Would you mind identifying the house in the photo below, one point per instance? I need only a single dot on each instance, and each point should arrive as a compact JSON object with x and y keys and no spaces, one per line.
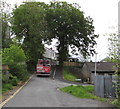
{"x":49,"y":53}
{"x":102,"y":68}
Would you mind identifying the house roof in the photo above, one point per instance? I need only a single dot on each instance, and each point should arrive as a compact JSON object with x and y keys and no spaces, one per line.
{"x":101,"y":66}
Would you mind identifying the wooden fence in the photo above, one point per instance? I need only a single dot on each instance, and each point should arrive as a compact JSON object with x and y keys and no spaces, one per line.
{"x":4,"y":67}
{"x":71,"y":64}
{"x":104,"y":86}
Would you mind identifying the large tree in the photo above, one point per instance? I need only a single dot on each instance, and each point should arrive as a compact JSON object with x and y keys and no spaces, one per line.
{"x":71,"y":28}
{"x":35,"y":22}
{"x":29,"y":27}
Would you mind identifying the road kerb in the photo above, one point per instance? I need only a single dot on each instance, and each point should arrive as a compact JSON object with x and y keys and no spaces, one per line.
{"x":3,"y":103}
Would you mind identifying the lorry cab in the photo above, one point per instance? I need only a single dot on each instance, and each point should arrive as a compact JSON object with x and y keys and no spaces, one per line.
{"x":43,"y":67}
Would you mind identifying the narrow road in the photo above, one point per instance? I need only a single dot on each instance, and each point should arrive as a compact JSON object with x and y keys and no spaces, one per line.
{"x":43,"y":92}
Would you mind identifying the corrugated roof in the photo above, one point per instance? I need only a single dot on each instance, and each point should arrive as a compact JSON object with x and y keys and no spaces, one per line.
{"x":101,"y":66}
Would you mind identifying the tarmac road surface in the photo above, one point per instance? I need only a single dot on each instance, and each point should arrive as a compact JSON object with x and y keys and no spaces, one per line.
{"x":43,"y":92}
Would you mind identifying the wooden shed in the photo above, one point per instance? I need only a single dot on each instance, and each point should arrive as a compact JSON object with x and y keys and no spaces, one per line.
{"x":102,"y":68}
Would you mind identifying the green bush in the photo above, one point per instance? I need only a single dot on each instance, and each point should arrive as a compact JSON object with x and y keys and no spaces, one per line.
{"x":15,"y":58}
{"x":116,"y":102}
{"x":14,"y":81}
{"x":4,"y":79}
{"x":13,"y":55}
{"x":8,"y":83}
{"x":6,"y":87}
{"x":11,"y":80}
{"x":20,"y":71}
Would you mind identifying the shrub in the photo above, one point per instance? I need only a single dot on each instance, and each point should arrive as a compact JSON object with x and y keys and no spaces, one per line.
{"x":15,"y":58}
{"x":20,"y":71}
{"x":14,"y":81}
{"x":13,"y":55}
{"x":116,"y":102}
{"x":5,"y":77}
{"x":6,"y":87}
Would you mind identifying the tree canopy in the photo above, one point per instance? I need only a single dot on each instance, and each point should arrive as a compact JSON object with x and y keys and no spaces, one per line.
{"x":34,"y":22}
{"x":29,"y":27}
{"x":71,"y":28}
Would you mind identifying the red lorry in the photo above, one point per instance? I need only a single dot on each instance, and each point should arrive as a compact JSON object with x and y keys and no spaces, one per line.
{"x":43,"y":67}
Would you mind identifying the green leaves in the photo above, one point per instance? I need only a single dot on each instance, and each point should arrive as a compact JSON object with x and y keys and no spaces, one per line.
{"x":71,"y":28}
{"x":15,"y":58}
{"x":29,"y":25}
{"x":114,"y":56}
{"x":13,"y":55}
{"x":34,"y":22}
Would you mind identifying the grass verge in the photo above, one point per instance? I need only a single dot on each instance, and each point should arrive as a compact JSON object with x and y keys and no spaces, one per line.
{"x":82,"y":92}
{"x":68,"y":76}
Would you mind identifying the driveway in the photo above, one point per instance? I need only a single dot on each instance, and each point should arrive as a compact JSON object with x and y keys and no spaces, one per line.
{"x":43,"y":92}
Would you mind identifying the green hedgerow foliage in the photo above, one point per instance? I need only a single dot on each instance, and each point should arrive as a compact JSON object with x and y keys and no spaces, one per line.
{"x":13,"y":55}
{"x":13,"y":80}
{"x":114,"y":56}
{"x":15,"y":58}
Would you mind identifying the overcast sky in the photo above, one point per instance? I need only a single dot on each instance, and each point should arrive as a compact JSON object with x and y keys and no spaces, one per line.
{"x":104,"y":14}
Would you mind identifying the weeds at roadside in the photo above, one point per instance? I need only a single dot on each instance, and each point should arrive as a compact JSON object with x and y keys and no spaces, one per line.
{"x":68,"y":76}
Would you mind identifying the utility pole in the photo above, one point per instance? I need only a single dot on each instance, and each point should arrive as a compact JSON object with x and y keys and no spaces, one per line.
{"x":119,"y":29}
{"x":95,"y":63}
{"x":118,"y":85}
